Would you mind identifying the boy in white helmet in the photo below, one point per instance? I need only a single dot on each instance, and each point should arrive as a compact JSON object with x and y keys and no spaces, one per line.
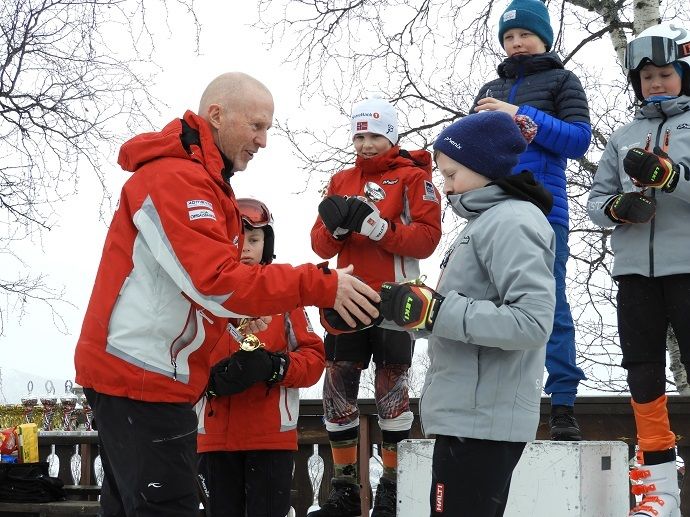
{"x":384,"y":241}
{"x":642,"y":190}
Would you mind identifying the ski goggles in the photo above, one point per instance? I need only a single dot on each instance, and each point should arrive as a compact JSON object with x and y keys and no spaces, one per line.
{"x":657,"y":50}
{"x":254,"y":212}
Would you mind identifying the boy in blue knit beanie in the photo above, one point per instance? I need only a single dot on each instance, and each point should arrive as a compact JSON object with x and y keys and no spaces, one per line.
{"x":532,"y":81}
{"x":488,"y":320}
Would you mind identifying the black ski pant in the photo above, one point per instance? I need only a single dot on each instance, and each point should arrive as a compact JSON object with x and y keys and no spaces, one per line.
{"x":646,"y":307}
{"x":471,"y":478}
{"x":148,"y":452}
{"x":247,"y":483}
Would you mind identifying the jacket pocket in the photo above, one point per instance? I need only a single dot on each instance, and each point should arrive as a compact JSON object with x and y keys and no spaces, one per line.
{"x":289,"y":408}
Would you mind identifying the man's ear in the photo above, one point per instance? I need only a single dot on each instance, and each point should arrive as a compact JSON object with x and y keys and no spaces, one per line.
{"x":214,"y":114}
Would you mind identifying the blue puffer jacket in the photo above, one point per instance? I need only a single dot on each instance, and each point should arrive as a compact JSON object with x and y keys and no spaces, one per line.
{"x":554,"y":98}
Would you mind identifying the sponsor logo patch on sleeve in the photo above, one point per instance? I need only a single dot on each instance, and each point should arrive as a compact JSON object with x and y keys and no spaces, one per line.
{"x":199,"y":203}
{"x":429,"y":192}
{"x":200,"y":209}
{"x":201,"y":214}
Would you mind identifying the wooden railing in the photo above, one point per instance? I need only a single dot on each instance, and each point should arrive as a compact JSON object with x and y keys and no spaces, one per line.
{"x":601,"y":418}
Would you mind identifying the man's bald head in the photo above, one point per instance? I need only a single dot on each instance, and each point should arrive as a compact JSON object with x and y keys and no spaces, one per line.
{"x":239,"y":111}
{"x":229,"y":90}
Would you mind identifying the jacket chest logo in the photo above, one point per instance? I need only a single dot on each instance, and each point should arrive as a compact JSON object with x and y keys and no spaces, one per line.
{"x":429,"y":192}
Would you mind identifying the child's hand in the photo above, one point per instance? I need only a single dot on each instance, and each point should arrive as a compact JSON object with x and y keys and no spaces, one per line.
{"x":255,"y":325}
{"x":631,"y":207}
{"x":365,"y":219}
{"x":411,"y":306}
{"x":491,"y":104}
{"x":651,"y":170}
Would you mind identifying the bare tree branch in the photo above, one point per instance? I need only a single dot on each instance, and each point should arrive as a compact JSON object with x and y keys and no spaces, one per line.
{"x":74,"y":77}
{"x":429,"y":57}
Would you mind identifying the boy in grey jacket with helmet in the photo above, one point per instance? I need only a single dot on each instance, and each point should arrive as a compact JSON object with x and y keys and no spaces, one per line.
{"x":642,"y":190}
{"x":489,"y":318}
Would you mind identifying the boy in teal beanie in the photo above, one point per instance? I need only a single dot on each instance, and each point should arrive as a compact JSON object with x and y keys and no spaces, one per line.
{"x":527,"y":14}
{"x":532,"y":81}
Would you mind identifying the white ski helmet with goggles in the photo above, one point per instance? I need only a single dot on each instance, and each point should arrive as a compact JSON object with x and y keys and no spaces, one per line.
{"x":256,"y":215}
{"x":660,"y":45}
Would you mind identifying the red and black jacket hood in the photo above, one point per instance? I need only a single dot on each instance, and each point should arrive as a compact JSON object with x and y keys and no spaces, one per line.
{"x":187,"y":138}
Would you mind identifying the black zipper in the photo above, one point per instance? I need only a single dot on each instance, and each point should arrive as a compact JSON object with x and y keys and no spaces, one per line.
{"x":653,"y":221}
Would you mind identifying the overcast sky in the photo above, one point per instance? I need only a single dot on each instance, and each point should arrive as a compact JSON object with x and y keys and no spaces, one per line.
{"x":70,"y":253}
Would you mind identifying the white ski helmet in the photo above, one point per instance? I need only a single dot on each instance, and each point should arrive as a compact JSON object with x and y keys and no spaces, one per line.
{"x":255,"y":214}
{"x":660,"y":45}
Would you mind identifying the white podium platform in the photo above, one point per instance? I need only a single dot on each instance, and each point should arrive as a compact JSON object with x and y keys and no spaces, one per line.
{"x":564,"y":479}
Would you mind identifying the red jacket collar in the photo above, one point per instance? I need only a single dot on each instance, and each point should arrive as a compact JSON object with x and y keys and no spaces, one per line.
{"x":392,"y":159}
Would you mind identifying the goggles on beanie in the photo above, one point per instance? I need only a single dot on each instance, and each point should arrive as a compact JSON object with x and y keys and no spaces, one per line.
{"x":254,"y":213}
{"x":658,"y":50}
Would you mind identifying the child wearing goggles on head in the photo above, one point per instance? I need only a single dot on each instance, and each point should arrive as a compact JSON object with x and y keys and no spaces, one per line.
{"x":247,"y":423}
{"x":642,"y":190}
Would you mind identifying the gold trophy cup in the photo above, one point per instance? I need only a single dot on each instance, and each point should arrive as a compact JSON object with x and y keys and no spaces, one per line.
{"x":249,"y":342}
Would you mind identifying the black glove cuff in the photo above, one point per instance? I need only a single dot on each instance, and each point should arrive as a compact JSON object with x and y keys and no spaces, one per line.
{"x":281,"y":362}
{"x":607,"y":210}
{"x":435,"y":307}
{"x":674,"y":180}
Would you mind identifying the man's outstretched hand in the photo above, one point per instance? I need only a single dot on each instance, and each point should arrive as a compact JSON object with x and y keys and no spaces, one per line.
{"x":354,"y":300}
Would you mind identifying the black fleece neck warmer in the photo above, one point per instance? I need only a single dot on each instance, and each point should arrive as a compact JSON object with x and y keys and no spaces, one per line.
{"x":524,"y":186}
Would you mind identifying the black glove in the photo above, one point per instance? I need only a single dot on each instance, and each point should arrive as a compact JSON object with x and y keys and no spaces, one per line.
{"x":243,"y":369}
{"x":333,"y":211}
{"x":651,"y":170}
{"x":412,"y":306}
{"x":631,"y":207}
{"x":364,"y":218}
{"x":335,"y":324}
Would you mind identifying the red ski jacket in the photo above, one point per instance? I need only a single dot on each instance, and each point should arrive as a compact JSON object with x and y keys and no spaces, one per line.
{"x":260,"y":418}
{"x":170,"y":274}
{"x":411,"y":206}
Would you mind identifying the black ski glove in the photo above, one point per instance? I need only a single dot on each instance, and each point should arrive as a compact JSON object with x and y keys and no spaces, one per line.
{"x":333,"y":211}
{"x":412,"y":306}
{"x":335,"y":324}
{"x":364,"y":218}
{"x":655,"y":169}
{"x":243,"y":369}
{"x":631,"y":207}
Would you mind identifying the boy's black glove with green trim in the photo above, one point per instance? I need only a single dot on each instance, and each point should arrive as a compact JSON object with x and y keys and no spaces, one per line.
{"x":654,"y":170}
{"x":411,"y":306}
{"x":631,"y":207}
